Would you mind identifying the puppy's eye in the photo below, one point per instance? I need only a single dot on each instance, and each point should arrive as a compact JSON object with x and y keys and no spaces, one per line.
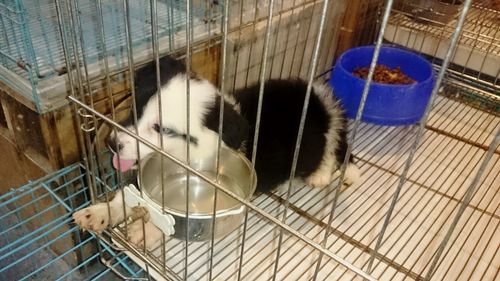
{"x":156,"y":127}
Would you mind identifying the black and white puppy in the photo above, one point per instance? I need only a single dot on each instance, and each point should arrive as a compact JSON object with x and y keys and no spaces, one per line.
{"x":322,"y":150}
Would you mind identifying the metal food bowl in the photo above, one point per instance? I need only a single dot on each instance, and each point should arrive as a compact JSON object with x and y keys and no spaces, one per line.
{"x":235,"y":174}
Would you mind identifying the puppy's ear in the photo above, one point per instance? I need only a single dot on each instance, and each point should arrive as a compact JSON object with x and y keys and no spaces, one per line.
{"x":145,"y":77}
{"x":146,"y":85}
{"x":235,"y":130}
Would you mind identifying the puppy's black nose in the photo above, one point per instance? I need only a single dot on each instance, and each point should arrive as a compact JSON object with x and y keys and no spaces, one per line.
{"x":113,"y":145}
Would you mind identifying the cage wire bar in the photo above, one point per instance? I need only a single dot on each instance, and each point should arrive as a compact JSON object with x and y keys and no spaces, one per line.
{"x":262,"y":74}
{"x":357,"y":121}
{"x":188,"y":128}
{"x":465,"y":201}
{"x":222,"y":75}
{"x":493,"y":145}
{"x":420,"y":129}
{"x":416,"y":137}
{"x":487,"y":158}
{"x":480,"y":18}
{"x":312,"y":72}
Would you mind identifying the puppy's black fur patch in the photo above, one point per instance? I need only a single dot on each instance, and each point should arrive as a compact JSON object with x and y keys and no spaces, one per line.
{"x":282,"y":105}
{"x":235,"y":128}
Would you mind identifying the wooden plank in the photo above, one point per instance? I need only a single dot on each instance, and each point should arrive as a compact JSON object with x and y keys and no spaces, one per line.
{"x":7,"y":130}
{"x":348,"y":28}
{"x":359,"y":24}
{"x":51,"y":139}
{"x":206,"y":63}
{"x":20,"y":98}
{"x":67,"y":130}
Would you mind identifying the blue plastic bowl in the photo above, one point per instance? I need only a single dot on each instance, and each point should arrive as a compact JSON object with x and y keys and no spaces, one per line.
{"x":386,"y":104}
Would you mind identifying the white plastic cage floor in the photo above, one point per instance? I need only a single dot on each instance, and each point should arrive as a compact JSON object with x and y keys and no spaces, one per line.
{"x":447,"y":159}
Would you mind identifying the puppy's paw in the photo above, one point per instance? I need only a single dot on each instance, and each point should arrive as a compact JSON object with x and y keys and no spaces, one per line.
{"x":352,"y":175}
{"x":136,"y":234}
{"x":95,"y":217}
{"x":139,"y":212}
{"x":319,"y":179}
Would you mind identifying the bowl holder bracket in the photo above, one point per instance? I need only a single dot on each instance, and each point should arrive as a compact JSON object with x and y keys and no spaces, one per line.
{"x":165,"y":222}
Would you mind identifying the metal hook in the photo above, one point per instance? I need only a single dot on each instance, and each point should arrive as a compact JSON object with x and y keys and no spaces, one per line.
{"x":88,"y":125}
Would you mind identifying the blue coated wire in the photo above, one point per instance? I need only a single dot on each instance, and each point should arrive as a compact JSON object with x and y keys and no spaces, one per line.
{"x":88,"y":240}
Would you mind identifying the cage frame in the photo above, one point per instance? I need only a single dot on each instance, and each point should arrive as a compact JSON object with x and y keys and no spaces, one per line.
{"x":92,"y":115}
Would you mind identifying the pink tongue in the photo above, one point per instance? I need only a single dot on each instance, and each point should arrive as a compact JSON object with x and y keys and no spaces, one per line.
{"x":125,"y":164}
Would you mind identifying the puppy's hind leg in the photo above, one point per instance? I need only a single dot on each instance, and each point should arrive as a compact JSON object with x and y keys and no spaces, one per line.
{"x":323,"y":175}
{"x":352,"y":174}
{"x":98,"y":217}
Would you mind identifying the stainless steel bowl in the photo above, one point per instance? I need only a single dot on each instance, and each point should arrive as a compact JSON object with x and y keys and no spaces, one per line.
{"x":235,"y":173}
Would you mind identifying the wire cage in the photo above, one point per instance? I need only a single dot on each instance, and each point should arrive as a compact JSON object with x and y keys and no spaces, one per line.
{"x":39,"y":241}
{"x":31,"y":51}
{"x":476,"y":58}
{"x":427,"y":205}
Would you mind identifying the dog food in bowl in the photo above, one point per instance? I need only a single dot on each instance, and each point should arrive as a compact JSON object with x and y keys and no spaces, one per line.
{"x":384,"y":75}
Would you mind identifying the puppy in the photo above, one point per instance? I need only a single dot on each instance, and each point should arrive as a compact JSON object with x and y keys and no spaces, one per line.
{"x":321,"y":153}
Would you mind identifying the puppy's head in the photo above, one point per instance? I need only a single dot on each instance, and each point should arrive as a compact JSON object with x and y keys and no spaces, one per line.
{"x":171,"y":134}
{"x":126,"y":149}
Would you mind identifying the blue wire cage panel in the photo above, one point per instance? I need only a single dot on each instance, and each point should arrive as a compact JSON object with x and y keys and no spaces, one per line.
{"x":32,"y":59}
{"x":39,"y":241}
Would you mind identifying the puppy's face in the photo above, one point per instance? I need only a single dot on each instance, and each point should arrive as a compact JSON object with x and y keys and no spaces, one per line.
{"x":170,"y":135}
{"x":127,"y":149}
